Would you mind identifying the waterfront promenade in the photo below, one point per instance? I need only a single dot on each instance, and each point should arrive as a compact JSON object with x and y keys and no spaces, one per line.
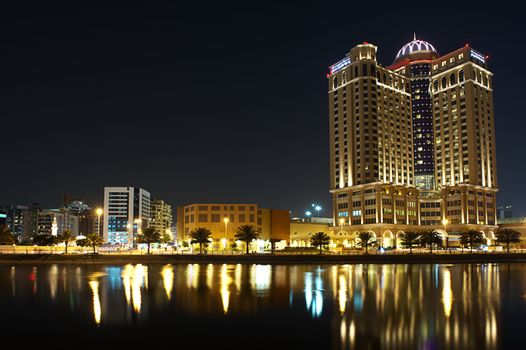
{"x":280,"y":258}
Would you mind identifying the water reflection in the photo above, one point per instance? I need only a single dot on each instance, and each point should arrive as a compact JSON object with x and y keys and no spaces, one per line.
{"x":367,"y":306}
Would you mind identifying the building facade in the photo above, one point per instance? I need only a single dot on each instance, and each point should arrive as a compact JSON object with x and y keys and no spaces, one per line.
{"x":55,"y":221}
{"x":224,"y":219}
{"x":412,"y":145}
{"x":161,"y":216}
{"x":126,"y":214}
{"x":13,"y":216}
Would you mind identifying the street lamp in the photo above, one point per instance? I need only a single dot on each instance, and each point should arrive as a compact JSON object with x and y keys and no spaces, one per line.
{"x":342,"y":221}
{"x":225,"y":220}
{"x":99,"y":212}
{"x":316,"y":207}
{"x":308,"y":214}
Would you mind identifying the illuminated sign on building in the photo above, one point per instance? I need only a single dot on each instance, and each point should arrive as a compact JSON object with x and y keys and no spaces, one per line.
{"x":478,"y":56}
{"x":340,"y":65}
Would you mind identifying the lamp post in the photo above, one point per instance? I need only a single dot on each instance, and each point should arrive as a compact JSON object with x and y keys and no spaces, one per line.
{"x":225,"y":220}
{"x":342,"y":221}
{"x":308,"y":214}
{"x":99,"y":213}
{"x":317,"y":207}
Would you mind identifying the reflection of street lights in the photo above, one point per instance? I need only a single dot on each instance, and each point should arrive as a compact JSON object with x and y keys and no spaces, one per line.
{"x":98,"y":211}
{"x":225,"y":220}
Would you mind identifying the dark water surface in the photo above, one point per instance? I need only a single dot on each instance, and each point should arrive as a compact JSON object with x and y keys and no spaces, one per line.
{"x":471,"y":306}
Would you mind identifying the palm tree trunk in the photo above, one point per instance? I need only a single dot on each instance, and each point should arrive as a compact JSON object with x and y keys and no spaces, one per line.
{"x":508,"y":244}
{"x":148,"y":249}
{"x":200,"y":248}
{"x":411,"y":248}
{"x":66,"y":244}
{"x":94,"y":251}
{"x":247,"y":246}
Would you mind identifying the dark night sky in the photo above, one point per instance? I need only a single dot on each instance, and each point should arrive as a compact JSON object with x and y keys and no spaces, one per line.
{"x":214,"y":103}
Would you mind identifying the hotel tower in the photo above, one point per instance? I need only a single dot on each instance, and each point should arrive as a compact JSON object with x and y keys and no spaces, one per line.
{"x":412,"y":145}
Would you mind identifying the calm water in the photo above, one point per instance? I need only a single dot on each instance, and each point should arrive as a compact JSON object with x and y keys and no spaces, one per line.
{"x":479,"y":306}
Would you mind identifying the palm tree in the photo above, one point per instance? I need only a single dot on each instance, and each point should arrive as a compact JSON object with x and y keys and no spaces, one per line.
{"x":366,"y":239}
{"x":200,"y":235}
{"x":65,"y":237}
{"x":472,"y":238}
{"x":430,"y":237}
{"x":149,"y":235}
{"x":166,"y":238}
{"x":320,"y":239}
{"x":508,"y":236}
{"x":246,"y":233}
{"x":409,"y":238}
{"x":6,"y":237}
{"x":273,"y":242}
{"x":94,"y":240}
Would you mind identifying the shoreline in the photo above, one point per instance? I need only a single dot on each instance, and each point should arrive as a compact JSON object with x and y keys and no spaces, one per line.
{"x":262,"y":259}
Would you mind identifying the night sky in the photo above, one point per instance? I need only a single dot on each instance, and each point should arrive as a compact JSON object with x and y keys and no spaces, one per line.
{"x":214,"y":103}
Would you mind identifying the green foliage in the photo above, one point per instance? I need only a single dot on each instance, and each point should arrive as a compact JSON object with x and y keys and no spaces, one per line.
{"x":6,"y":237}
{"x":409,"y":239}
{"x":246,"y":233}
{"x":149,"y":235}
{"x":43,"y":240}
{"x":166,"y":238}
{"x":507,"y":236}
{"x":367,"y":239}
{"x":93,"y":240}
{"x":65,"y":237}
{"x":320,"y":240}
{"x":430,"y":238}
{"x":472,"y":238}
{"x":200,"y":235}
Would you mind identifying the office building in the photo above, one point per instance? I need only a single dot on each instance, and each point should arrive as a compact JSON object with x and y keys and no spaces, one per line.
{"x":161,"y":216}
{"x":126,"y":214}
{"x":412,"y":145}
{"x":224,"y":219}
{"x":55,"y":221}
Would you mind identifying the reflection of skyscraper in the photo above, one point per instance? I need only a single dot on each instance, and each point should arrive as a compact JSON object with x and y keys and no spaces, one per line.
{"x":412,"y":143}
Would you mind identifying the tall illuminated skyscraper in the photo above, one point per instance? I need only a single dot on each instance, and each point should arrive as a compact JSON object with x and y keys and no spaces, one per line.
{"x":412,"y":144}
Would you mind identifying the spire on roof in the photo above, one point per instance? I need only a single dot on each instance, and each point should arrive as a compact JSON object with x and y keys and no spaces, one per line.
{"x":414,"y":36}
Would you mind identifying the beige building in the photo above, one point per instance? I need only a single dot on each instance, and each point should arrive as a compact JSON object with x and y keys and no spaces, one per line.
{"x":161,"y":216}
{"x":224,"y":219}
{"x":412,"y":144}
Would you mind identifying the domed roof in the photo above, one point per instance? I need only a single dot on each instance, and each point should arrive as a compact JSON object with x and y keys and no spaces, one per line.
{"x":416,"y":46}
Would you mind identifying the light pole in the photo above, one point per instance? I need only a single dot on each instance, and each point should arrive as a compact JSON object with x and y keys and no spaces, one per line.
{"x":99,"y":213}
{"x":342,"y":221}
{"x":316,"y":207}
{"x":225,"y":220}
